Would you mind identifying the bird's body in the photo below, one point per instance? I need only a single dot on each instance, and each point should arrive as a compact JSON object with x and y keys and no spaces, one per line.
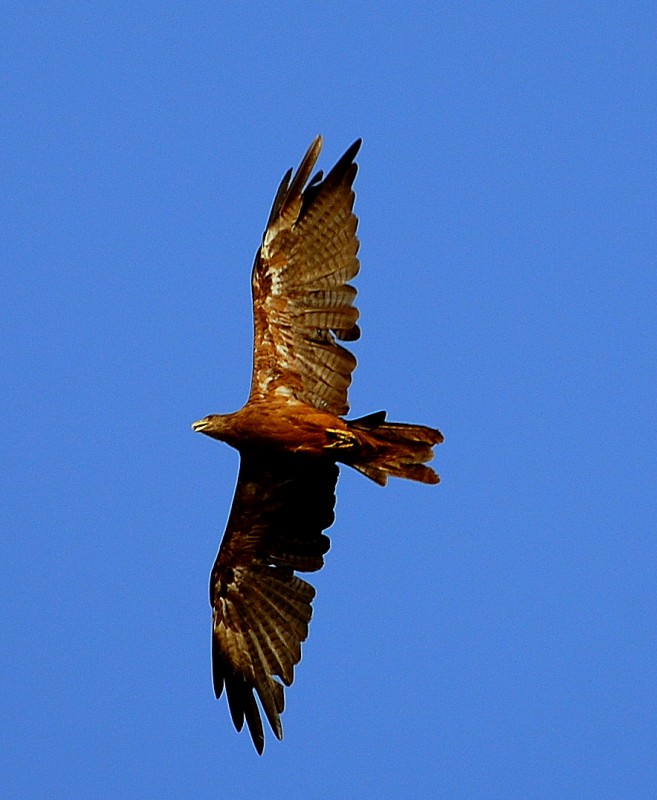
{"x":291,"y":434}
{"x":280,"y":424}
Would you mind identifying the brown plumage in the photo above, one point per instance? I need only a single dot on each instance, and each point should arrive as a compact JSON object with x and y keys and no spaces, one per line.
{"x":290,"y":436}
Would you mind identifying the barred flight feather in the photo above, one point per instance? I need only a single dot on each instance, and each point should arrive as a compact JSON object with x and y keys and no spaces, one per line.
{"x":307,"y":256}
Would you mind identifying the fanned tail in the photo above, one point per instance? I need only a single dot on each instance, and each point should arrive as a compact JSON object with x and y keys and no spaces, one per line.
{"x":394,"y":448}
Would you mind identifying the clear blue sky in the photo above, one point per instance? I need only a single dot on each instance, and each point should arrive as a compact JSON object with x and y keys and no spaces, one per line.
{"x":492,"y":637}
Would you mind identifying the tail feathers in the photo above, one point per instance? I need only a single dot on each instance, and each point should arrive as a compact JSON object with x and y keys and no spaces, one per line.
{"x":382,"y":470}
{"x":395,"y":448}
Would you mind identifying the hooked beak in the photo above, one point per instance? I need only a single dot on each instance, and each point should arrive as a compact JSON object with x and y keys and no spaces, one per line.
{"x":200,"y":425}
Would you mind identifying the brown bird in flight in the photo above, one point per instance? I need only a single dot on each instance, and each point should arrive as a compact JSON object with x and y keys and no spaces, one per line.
{"x":290,"y":434}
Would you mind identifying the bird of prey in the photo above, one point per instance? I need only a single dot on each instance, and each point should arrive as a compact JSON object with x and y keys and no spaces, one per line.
{"x":291,"y":434}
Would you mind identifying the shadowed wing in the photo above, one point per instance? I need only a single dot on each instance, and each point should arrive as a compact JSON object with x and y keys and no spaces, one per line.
{"x":302,"y":302}
{"x":261,"y":610}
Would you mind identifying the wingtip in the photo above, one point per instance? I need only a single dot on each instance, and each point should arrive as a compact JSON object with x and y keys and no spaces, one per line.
{"x":301,"y":176}
{"x":312,"y":154}
{"x":352,"y":151}
{"x":345,"y":165}
{"x":318,"y":143}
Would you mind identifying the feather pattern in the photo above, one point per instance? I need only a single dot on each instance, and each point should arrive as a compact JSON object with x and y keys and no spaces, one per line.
{"x":302,"y":302}
{"x":261,"y":609}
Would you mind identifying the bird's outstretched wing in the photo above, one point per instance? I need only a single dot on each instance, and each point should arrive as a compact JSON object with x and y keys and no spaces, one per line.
{"x":302,"y":302}
{"x":261,"y":609}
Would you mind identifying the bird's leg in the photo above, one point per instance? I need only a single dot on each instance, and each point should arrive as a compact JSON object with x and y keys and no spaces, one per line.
{"x":340,"y":439}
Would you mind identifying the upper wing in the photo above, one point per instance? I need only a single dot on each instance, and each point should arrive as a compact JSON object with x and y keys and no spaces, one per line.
{"x":301,"y":299}
{"x":261,"y":609}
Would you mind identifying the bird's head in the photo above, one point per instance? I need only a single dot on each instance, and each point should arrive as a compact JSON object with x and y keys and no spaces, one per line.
{"x":213,"y":425}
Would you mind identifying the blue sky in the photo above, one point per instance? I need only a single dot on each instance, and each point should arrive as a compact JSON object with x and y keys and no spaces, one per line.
{"x":492,"y":637}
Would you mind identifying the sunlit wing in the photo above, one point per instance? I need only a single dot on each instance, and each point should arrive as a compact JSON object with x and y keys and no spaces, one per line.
{"x":302,"y":302}
{"x":261,"y":609}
